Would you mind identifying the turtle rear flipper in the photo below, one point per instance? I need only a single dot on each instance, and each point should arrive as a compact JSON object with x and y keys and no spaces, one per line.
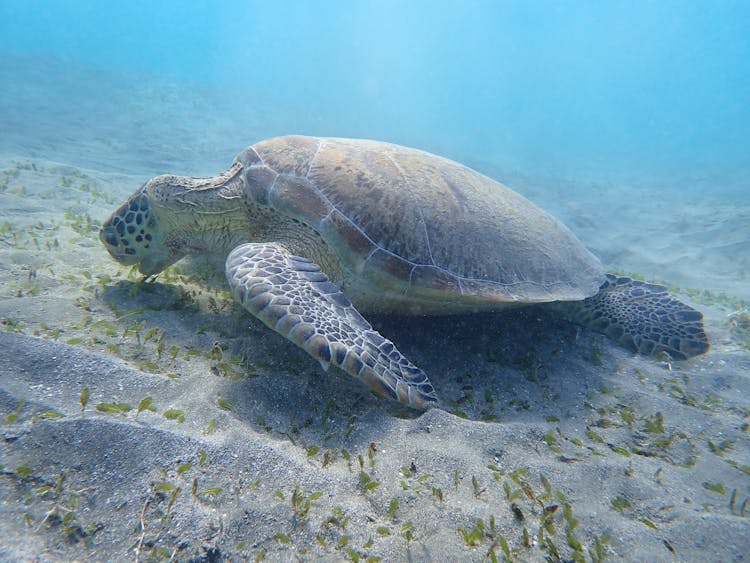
{"x":643,"y":317}
{"x":291,"y":295}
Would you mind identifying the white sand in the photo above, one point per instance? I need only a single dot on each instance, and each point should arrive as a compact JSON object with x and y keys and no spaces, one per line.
{"x":540,"y":397}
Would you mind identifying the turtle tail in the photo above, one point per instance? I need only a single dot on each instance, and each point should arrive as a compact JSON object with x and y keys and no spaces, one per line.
{"x":643,"y":317}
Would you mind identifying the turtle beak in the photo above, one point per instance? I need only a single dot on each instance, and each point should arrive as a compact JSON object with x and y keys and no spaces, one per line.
{"x":112,"y":241}
{"x":155,"y":263}
{"x":108,"y":236}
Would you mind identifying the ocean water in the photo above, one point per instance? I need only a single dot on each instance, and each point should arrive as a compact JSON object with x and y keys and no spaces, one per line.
{"x":627,"y":120}
{"x":603,"y":90}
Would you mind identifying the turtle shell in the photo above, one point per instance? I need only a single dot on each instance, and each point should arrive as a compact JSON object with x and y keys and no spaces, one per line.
{"x":426,"y":222}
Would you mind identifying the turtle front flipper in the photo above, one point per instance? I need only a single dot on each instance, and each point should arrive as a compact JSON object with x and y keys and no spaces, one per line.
{"x":643,"y":317}
{"x":291,"y":295}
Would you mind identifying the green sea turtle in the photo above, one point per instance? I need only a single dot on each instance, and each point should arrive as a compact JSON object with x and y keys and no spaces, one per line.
{"x":315,"y":230}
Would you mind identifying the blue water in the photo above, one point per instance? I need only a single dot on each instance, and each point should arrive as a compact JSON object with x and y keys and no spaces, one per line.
{"x":629,"y":120}
{"x":576,"y":89}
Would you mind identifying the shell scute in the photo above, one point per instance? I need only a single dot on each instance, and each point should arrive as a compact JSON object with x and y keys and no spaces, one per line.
{"x":289,"y":155}
{"x":298,"y":198}
{"x":338,"y":227}
{"x":387,"y":263}
{"x":433,"y":278}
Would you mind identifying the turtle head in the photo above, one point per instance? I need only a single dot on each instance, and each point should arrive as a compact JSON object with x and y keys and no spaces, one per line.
{"x":133,"y":234}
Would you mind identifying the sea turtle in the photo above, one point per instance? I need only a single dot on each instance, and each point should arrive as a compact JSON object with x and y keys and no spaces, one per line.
{"x":315,"y":230}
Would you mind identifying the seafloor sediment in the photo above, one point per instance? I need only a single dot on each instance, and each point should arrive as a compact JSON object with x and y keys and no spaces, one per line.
{"x":159,"y":420}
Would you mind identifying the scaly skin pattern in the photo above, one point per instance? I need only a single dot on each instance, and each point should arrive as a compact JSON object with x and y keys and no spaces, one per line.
{"x":644,"y":318}
{"x":293,"y":297}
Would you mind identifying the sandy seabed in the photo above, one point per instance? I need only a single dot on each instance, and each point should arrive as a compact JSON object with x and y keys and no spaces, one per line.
{"x":160,"y":421}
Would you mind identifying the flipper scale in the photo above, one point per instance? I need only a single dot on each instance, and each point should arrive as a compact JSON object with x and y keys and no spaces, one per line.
{"x":296,"y":299}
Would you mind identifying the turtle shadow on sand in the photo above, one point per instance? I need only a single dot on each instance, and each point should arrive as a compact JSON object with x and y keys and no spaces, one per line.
{"x":487,"y":366}
{"x":483,"y":362}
